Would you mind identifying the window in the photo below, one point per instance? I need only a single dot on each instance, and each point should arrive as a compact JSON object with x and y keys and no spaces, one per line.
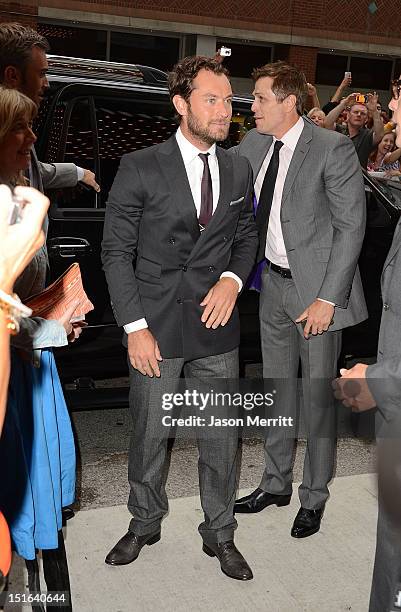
{"x":330,"y":69}
{"x":370,"y":73}
{"x":156,"y":51}
{"x":244,"y":58}
{"x":75,"y":42}
{"x":125,"y":125}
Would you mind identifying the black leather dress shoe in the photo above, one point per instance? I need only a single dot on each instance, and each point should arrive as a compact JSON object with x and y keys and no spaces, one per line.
{"x":232,"y":563}
{"x":128,"y":548}
{"x":307,"y":522}
{"x":258,"y":500}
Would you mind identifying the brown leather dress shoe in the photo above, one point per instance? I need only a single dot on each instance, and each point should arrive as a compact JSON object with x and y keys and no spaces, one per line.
{"x":232,"y":563}
{"x":258,"y":500}
{"x":128,"y":548}
{"x":307,"y":522}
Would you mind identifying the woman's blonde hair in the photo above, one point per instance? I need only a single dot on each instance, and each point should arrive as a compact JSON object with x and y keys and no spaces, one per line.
{"x":14,"y":106}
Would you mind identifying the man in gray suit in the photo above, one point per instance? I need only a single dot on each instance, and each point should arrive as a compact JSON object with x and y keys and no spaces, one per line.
{"x":179,"y":242}
{"x":23,"y":66}
{"x":311,"y":221}
{"x":380,"y":385}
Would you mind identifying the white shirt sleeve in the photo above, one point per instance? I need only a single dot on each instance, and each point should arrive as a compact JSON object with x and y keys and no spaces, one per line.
{"x":327,"y":301}
{"x":135,"y":326}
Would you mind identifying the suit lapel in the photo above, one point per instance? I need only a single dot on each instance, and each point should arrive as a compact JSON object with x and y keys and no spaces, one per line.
{"x":301,"y":151}
{"x":173,"y":168}
{"x":226,"y":184}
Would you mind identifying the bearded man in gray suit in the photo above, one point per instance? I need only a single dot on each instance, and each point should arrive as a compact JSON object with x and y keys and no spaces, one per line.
{"x":311,"y":222}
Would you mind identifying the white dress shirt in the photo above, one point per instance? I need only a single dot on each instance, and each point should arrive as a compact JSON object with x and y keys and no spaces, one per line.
{"x":194,"y":167}
{"x":275,"y":248}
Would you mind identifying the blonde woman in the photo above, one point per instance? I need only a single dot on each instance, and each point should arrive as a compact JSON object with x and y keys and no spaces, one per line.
{"x":37,"y":452}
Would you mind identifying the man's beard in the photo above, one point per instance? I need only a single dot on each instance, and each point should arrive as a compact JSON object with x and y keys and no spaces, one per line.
{"x":204,"y":133}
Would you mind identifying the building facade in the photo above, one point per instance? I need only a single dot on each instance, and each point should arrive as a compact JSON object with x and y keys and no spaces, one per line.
{"x":323,"y":37}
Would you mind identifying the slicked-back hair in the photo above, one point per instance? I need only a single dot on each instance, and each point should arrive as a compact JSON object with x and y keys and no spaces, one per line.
{"x":180,"y":79}
{"x":16,"y":44}
{"x":287,"y":80}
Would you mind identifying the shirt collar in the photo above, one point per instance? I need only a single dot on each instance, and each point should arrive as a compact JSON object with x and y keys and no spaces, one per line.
{"x":188,"y":151}
{"x":290,"y":138}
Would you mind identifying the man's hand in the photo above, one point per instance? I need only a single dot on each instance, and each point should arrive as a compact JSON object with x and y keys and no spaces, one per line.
{"x":89,"y":179}
{"x":352,"y":388}
{"x":311,"y":90}
{"x":346,"y":82}
{"x":318,"y":318}
{"x":371,"y":104}
{"x":350,"y":100}
{"x":144,"y":352}
{"x":220,"y":302}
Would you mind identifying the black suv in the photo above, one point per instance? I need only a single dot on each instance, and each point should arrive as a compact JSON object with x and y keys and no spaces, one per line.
{"x":94,"y":113}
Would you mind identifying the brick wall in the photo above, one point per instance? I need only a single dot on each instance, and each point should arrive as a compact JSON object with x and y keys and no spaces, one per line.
{"x":333,"y":19}
{"x":305,"y":59}
{"x":24,"y":12}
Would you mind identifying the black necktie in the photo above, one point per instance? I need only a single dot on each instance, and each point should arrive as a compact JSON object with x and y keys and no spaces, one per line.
{"x":206,"y":209}
{"x":266,"y":198}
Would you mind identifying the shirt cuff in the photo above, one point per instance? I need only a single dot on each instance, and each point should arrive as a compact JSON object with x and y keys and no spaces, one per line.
{"x":135,"y":326}
{"x":235,"y":277}
{"x":327,"y":301}
{"x":80,"y":173}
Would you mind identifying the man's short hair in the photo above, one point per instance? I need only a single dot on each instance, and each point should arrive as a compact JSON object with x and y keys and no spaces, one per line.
{"x":16,"y":44}
{"x":287,"y":80}
{"x":181,"y":78}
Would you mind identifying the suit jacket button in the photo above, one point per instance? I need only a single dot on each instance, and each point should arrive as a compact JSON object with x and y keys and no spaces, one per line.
{"x":172,"y":240}
{"x":184,"y":268}
{"x":225,"y":238}
{"x":211,"y":268}
{"x":179,"y":301}
{"x":386,"y":306}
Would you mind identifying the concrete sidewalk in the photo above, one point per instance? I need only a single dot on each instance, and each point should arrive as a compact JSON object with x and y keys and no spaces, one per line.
{"x":328,"y":572}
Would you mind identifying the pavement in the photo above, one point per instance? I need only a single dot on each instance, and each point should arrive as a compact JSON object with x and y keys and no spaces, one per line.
{"x":327,"y":572}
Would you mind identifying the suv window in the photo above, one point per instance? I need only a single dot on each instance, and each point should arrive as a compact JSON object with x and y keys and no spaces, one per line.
{"x":126,"y":125}
{"x":95,"y":129}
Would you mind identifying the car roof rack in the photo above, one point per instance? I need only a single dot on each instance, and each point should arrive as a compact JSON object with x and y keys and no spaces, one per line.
{"x":111,"y":71}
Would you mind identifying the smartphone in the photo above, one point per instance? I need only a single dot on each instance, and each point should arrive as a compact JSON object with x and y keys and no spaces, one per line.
{"x":225,"y":52}
{"x":362,"y":99}
{"x":347,"y":75}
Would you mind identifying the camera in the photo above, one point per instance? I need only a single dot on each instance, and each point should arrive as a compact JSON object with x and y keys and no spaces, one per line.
{"x":362,"y":99}
{"x":225,"y":51}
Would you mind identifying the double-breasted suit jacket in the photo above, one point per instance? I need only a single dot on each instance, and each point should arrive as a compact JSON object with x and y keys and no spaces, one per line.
{"x":158,"y":264}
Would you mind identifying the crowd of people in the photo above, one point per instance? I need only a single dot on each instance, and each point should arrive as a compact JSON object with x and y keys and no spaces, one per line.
{"x":289,"y":198}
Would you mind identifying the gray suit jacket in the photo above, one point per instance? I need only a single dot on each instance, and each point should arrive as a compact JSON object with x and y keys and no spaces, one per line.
{"x":52,"y":176}
{"x":323,"y":214}
{"x":384,"y":377}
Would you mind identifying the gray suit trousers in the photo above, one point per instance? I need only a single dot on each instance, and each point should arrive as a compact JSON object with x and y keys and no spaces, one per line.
{"x":218,"y":453}
{"x":283,"y":345}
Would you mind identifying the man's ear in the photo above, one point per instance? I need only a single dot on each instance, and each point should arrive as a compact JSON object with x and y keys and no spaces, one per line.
{"x":12,"y":77}
{"x":290,"y":103}
{"x":180,"y":105}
